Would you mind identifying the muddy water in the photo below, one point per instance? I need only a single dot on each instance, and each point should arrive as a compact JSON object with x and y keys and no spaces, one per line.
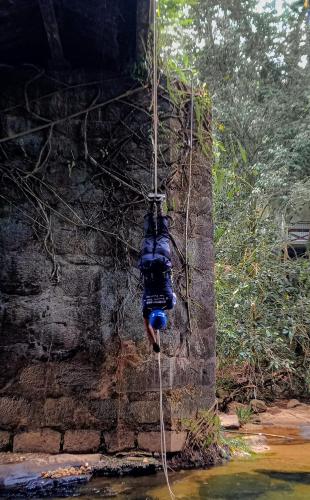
{"x":280,"y":474}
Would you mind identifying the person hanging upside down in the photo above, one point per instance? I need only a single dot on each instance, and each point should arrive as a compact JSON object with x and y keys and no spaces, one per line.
{"x":155,"y":266}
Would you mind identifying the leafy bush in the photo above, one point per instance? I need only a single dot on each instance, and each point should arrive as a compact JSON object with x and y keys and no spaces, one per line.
{"x":257,"y":69}
{"x":244,"y":414}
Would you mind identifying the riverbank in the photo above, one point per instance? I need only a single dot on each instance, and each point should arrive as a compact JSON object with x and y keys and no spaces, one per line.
{"x":291,"y":415}
{"x":33,"y":475}
{"x":43,"y":475}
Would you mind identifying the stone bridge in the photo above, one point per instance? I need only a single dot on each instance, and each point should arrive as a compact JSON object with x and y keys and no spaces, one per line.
{"x":76,"y":371}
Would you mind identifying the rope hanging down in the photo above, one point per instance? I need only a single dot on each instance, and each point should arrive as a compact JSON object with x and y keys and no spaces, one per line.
{"x":155,"y":96}
{"x":162,"y":425}
{"x":155,"y":184}
{"x":155,"y":148}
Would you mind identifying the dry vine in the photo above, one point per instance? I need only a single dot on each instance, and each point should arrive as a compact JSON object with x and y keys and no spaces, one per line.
{"x":43,"y":201}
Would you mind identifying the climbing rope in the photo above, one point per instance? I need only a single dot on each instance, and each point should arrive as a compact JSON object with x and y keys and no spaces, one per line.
{"x":155,"y":96}
{"x":188,"y":199}
{"x":162,"y":424}
{"x":155,"y":183}
{"x":155,"y":149}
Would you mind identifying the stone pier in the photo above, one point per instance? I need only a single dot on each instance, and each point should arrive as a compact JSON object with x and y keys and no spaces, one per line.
{"x":76,"y":371}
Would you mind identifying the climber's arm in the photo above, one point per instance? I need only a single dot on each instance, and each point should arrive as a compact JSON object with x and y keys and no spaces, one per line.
{"x":149,"y":330}
{"x":150,"y":333}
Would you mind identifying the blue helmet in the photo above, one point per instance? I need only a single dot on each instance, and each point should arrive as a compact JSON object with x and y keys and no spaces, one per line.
{"x":158,"y":319}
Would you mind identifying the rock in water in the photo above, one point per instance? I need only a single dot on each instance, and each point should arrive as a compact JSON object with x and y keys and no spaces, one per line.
{"x":258,"y":406}
{"x":292,"y":403}
{"x":229,"y":421}
{"x":62,"y":487}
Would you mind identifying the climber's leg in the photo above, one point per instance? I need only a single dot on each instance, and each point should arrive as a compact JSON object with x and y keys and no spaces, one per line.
{"x":163,"y":238}
{"x":163,"y":226}
{"x":149,"y":230}
{"x":149,"y":222}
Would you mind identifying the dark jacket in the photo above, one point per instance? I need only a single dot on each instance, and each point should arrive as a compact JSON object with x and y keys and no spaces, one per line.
{"x":155,"y":266}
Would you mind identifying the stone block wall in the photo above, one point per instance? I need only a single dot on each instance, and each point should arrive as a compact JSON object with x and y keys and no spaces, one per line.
{"x":76,"y":371}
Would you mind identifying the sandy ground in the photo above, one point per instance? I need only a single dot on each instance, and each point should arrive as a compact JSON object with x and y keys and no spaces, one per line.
{"x":293,"y":422}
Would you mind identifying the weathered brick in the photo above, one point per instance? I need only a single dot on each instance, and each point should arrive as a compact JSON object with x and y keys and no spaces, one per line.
{"x":118,"y":441}
{"x":44,"y":441}
{"x":91,"y":381}
{"x":145,"y":412}
{"x":4,"y":440}
{"x":65,"y":413}
{"x":105,"y":411}
{"x":14,"y":412}
{"x":150,"y":441}
{"x":82,"y":441}
{"x":185,"y":401}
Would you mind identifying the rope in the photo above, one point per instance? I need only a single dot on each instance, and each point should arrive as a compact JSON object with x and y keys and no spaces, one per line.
{"x":155,"y":178}
{"x":162,"y":425}
{"x":155,"y":96}
{"x":187,"y":266}
{"x":155,"y":147}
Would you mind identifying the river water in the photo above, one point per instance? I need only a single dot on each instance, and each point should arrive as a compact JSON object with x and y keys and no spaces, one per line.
{"x":280,"y":474}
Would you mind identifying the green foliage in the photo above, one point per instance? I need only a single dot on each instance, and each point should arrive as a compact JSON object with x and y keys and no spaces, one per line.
{"x":244,"y":414}
{"x":204,"y":430}
{"x":256,"y":66}
{"x":263,"y":300}
{"x":236,"y":445}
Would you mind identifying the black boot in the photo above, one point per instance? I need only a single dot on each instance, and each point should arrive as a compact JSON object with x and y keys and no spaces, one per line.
{"x":156,"y":347}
